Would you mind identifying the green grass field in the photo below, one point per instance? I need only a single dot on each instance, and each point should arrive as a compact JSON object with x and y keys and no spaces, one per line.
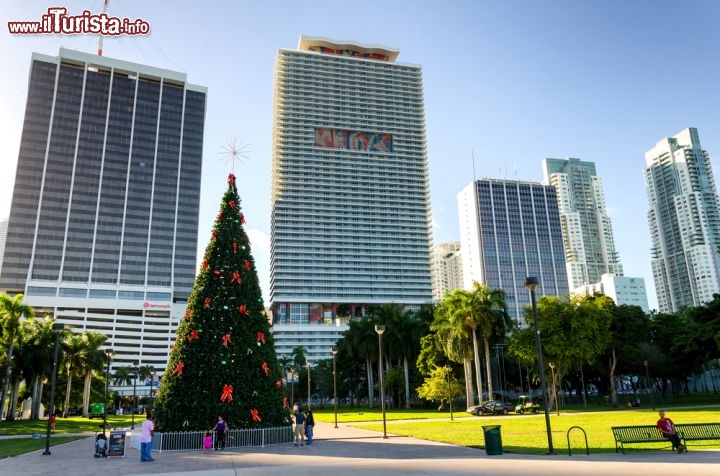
{"x":66,"y":425}
{"x":24,"y":429}
{"x":18,"y":446}
{"x":520,"y":433}
{"x":527,"y":433}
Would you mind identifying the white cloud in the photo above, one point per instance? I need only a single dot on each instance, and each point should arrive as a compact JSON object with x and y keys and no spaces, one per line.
{"x":259,"y":242}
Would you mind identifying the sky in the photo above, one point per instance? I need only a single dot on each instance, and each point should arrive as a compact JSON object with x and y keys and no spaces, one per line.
{"x":507,"y":82}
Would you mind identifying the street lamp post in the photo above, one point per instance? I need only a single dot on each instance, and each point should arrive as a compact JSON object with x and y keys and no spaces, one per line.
{"x":531,"y":283}
{"x":334,"y":354}
{"x":307,"y":362}
{"x":380,"y":329}
{"x":135,"y":370}
{"x":649,"y":384}
{"x":108,"y":354}
{"x":58,"y":328}
{"x":448,"y":370}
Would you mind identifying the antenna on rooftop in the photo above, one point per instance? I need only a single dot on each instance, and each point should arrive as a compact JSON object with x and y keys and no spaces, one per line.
{"x":472,"y":152}
{"x":234,"y":152}
{"x":100,"y":41}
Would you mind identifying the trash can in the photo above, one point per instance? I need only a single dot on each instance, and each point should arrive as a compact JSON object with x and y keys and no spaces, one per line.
{"x":493,"y":440}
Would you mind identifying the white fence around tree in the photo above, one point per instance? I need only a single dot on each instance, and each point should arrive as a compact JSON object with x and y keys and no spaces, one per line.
{"x":193,"y":440}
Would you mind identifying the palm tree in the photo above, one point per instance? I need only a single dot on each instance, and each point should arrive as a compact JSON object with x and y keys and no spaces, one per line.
{"x":402,"y":338}
{"x":124,"y":375}
{"x":461,"y":308}
{"x":93,"y":359}
{"x":32,"y":351}
{"x":73,"y":346}
{"x":362,"y":342}
{"x":299,"y":356}
{"x":490,"y":317}
{"x":11,"y":311}
{"x":36,"y":343}
{"x":145,"y":372}
{"x":454,"y":340}
{"x":22,"y":361}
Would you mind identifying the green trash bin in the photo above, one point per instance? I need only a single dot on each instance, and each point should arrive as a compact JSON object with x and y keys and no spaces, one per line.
{"x":493,"y":440}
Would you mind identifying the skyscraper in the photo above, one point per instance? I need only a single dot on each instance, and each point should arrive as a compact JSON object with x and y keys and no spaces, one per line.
{"x":684,"y":221}
{"x":510,"y":230}
{"x":3,"y":235}
{"x":446,"y":267}
{"x":587,"y":230}
{"x":350,"y":193}
{"x":104,"y":216}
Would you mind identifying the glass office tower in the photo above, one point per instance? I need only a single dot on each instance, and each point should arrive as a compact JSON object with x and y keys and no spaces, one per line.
{"x":510,"y":230}
{"x":104,"y":217}
{"x":350,"y":190}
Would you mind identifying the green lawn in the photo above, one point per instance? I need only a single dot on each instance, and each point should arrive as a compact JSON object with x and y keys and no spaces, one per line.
{"x":527,"y":433}
{"x":18,"y":446}
{"x":66,"y":425}
{"x":520,"y":433}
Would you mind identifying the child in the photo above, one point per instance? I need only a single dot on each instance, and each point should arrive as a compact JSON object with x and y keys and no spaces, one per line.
{"x":207,"y":442}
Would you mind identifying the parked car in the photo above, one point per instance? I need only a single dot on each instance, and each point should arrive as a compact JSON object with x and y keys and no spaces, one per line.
{"x":494,"y":407}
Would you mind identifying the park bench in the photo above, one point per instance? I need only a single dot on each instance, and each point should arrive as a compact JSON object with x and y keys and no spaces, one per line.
{"x":650,"y":434}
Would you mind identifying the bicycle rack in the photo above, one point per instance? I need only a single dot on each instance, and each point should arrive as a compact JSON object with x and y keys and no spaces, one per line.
{"x":587,"y":449}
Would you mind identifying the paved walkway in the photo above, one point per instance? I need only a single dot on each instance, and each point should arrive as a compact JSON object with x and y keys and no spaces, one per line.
{"x":354,"y":452}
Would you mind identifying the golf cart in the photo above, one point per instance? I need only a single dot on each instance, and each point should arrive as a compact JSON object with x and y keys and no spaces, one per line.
{"x":526,"y":404}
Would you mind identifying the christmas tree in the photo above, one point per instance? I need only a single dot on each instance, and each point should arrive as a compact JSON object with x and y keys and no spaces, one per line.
{"x":223,"y":362}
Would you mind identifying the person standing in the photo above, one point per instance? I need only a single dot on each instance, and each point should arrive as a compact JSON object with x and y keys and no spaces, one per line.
{"x":221,"y":429}
{"x":207,"y":442}
{"x":309,"y":425}
{"x":147,"y":430}
{"x":299,"y":427}
{"x":667,"y":428}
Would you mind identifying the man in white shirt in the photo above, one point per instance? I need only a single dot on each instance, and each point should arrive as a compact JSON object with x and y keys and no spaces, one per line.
{"x":146,"y":433}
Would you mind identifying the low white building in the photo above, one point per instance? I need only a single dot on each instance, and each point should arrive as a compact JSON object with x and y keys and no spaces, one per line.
{"x":621,"y":289}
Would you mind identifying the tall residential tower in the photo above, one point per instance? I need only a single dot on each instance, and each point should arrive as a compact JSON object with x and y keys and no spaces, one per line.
{"x":510,"y":230}
{"x":350,"y":190}
{"x":446,"y":268}
{"x":587,"y":230}
{"x":684,"y":220}
{"x":104,"y":216}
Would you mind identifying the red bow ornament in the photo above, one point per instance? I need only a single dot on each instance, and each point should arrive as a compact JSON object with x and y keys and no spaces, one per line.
{"x":179,"y":368}
{"x":227,"y":393}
